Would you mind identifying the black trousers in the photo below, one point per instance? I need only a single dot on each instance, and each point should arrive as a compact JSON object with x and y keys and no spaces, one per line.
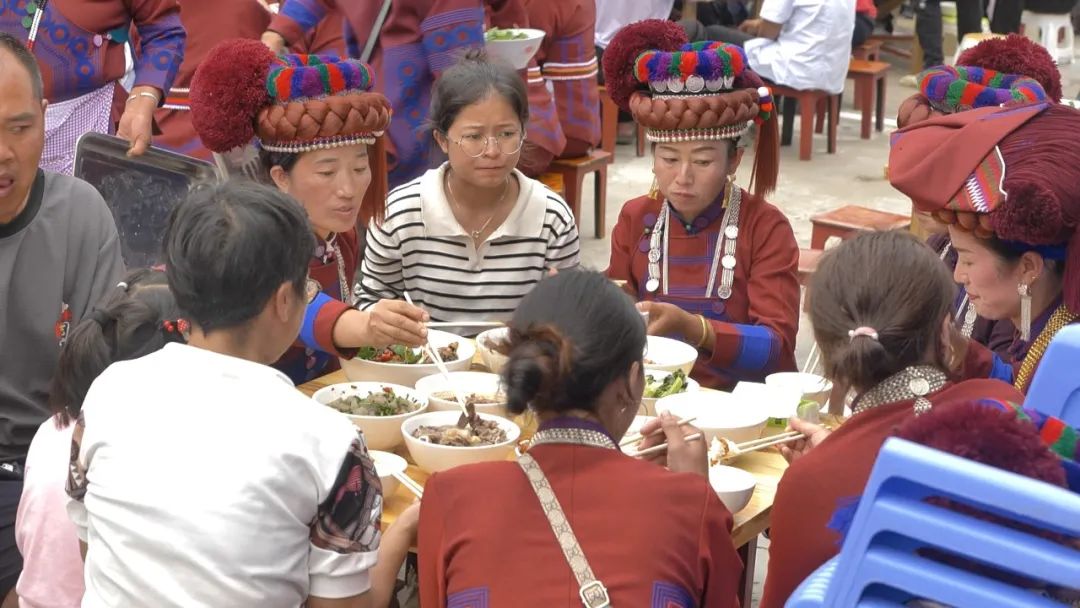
{"x":10,"y":558}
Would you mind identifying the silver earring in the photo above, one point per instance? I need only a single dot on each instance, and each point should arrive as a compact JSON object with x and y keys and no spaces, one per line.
{"x":1025,"y":311}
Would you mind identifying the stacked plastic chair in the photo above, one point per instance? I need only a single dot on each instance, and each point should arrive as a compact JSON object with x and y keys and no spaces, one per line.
{"x":1055,"y":390}
{"x":879,"y":565}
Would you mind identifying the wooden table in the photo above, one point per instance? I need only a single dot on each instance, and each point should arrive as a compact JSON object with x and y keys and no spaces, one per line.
{"x":766,"y":466}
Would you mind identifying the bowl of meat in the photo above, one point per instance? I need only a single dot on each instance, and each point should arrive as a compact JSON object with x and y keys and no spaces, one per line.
{"x":402,"y":365}
{"x":485,"y":343}
{"x":668,"y":355}
{"x":437,"y":441}
{"x":481,"y":390}
{"x":377,"y":408}
{"x":660,"y":384}
{"x":515,"y":46}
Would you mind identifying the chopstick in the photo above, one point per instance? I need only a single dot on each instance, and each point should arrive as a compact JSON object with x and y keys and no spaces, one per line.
{"x":636,"y":437}
{"x":412,"y":486}
{"x":764,"y":442}
{"x":656,"y":449}
{"x":445,"y":372}
{"x":437,"y":324}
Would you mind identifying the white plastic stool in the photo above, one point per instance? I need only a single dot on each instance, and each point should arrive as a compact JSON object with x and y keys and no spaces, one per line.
{"x":1045,"y":28}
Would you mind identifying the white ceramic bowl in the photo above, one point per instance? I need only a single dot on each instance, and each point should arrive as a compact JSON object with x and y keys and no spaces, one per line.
{"x":516,"y":52}
{"x":492,"y":360}
{"x":811,"y":387}
{"x":779,"y":400}
{"x":480,"y":383}
{"x":718,"y":414}
{"x":386,"y":464}
{"x":359,"y":370}
{"x":666,"y":354}
{"x":734,"y":486}
{"x":648,"y":404}
{"x":380,"y":432}
{"x":435,"y":458}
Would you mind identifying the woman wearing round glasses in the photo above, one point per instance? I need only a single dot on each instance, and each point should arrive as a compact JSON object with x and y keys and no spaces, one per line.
{"x":469,"y":239}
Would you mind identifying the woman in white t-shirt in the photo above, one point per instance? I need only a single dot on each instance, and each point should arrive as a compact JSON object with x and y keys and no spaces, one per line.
{"x":469,"y":239}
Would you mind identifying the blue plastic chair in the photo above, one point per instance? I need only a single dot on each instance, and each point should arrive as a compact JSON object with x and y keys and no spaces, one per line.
{"x":1055,"y":389}
{"x":878,"y":565}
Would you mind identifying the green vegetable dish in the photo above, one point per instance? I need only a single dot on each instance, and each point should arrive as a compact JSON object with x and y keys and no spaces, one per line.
{"x":501,"y":34}
{"x":672,"y":384}
{"x":399,"y":354}
{"x":375,"y":403}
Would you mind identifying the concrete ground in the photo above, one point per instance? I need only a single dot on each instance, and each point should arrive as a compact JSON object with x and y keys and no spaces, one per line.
{"x":854,"y":175}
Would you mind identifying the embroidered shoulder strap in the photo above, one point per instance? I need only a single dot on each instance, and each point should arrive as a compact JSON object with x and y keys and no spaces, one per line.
{"x":592,"y":592}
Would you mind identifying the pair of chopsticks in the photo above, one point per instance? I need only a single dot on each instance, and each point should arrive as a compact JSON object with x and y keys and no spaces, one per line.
{"x":636,"y":437}
{"x":489,"y":324}
{"x":445,"y":372}
{"x":736,"y":449}
{"x":412,"y":486}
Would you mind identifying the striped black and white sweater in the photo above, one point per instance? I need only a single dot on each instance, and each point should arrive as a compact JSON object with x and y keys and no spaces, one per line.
{"x":420,"y":247}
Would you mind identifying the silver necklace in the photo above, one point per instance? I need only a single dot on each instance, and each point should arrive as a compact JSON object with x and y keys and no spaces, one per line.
{"x":346,"y":296}
{"x":723,"y":253}
{"x":915,"y":382}
{"x":475,"y":234}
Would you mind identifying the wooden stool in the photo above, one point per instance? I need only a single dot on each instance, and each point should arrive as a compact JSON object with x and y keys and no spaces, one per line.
{"x":808,"y":102}
{"x":640,"y":135}
{"x":808,"y":262}
{"x":845,"y":221}
{"x":867,"y":51}
{"x":868,"y":75}
{"x":609,"y":121}
{"x":915,"y":54}
{"x":573,"y":172}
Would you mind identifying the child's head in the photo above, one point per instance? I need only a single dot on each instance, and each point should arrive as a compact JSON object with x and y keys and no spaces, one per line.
{"x":236,"y":256}
{"x":136,"y":318}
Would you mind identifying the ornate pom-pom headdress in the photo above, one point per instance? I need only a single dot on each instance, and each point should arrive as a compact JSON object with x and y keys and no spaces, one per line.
{"x":1012,"y":173}
{"x":681,"y":91}
{"x":999,"y":71}
{"x":291,"y":103}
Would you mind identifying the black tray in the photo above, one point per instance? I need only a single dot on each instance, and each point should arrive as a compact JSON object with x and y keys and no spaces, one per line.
{"x":140,"y":191}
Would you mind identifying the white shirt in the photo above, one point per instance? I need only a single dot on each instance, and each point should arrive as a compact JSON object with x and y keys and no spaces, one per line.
{"x":814,"y":45}
{"x":421,"y":248}
{"x":613,"y":15}
{"x":204,"y":475}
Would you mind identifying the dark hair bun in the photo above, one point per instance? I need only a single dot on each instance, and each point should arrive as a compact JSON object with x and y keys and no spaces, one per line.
{"x":539,"y":359}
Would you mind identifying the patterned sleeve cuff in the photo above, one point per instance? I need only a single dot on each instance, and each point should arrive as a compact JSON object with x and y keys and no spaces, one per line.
{"x":445,"y":34}
{"x":296,"y":19}
{"x":743,"y":348}
{"x":162,"y":43}
{"x":348,"y":521}
{"x":317,"y":330}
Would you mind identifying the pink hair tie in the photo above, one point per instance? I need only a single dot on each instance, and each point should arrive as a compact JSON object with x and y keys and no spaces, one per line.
{"x":868,"y":332}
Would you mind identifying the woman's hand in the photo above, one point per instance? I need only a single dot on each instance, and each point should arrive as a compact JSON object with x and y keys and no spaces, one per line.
{"x":814,"y":433}
{"x":670,"y":320}
{"x":136,"y":123}
{"x":274,"y":41}
{"x":396,"y":322}
{"x":681,"y":456}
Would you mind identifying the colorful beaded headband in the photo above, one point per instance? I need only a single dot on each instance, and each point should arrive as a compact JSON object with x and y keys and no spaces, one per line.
{"x":951,"y":89}
{"x":297,"y":78}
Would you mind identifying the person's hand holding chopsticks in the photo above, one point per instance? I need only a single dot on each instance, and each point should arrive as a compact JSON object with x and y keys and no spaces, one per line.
{"x":681,"y":456}
{"x":814,"y":433}
{"x":397,"y":322}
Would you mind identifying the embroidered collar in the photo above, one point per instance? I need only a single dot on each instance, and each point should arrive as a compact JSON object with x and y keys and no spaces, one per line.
{"x":915,"y":382}
{"x":705,"y":219}
{"x":569,"y":429}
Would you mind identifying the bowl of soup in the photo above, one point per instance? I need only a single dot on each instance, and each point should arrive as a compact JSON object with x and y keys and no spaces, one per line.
{"x":668,"y":355}
{"x":483,"y":390}
{"x":436,"y":442}
{"x":398,"y":364}
{"x":378,"y":408}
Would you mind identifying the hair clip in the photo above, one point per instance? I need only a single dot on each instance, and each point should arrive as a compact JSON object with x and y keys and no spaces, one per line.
{"x":179,"y":327}
{"x":867,"y":332}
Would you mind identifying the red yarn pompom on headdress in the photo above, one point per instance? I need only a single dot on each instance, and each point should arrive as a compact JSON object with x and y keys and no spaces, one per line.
{"x":1015,"y":54}
{"x":631,"y":41}
{"x":228,"y":90}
